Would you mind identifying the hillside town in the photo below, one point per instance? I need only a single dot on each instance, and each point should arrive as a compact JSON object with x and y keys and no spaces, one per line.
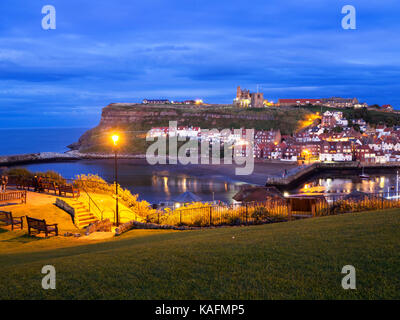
{"x":335,"y":139}
{"x":330,"y":138}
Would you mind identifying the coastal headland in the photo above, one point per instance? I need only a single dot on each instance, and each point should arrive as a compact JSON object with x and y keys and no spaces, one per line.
{"x":135,"y":120}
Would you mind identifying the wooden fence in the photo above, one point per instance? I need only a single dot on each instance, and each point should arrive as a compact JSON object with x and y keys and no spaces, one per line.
{"x":275,"y":210}
{"x":10,"y":196}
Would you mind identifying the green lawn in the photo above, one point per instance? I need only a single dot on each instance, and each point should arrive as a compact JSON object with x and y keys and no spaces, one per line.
{"x":295,"y":260}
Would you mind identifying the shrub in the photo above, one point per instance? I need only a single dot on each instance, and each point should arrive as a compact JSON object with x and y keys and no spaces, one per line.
{"x":234,"y":221}
{"x":52,"y":175}
{"x":20,"y":173}
{"x":260,"y":213}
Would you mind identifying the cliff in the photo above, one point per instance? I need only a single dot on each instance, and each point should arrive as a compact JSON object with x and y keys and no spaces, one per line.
{"x":122,"y":113}
{"x":134,"y":120}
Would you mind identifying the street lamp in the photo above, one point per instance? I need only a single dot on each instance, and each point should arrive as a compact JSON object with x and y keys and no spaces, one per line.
{"x":307,"y":154}
{"x":115,"y":139}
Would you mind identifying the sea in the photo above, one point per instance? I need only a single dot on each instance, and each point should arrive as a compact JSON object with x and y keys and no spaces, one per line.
{"x":21,"y":141}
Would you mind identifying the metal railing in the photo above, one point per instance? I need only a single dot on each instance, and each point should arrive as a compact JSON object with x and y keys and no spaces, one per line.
{"x":276,"y":209}
{"x":211,"y":215}
{"x":93,"y":206}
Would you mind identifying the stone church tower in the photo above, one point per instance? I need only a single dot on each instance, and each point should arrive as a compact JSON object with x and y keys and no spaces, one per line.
{"x":257,"y":100}
{"x":246,"y":99}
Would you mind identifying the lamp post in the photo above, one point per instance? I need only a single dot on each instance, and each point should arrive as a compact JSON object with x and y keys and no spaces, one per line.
{"x":115,"y":139}
{"x":307,"y":155}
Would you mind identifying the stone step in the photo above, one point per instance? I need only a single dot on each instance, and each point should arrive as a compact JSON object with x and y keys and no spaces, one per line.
{"x":80,"y":207}
{"x":85,"y":224}
{"x":80,"y":211}
{"x":87,"y":217}
{"x":84,"y":218}
{"x":83,"y":213}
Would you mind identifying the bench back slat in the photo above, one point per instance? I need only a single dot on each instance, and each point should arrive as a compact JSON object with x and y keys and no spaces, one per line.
{"x":36,"y":223}
{"x":5,"y":216}
{"x":66,"y":188}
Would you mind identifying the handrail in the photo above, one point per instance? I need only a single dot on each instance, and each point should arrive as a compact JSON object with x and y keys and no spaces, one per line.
{"x":106,"y":208}
{"x":127,"y":210}
{"x":91,"y":200}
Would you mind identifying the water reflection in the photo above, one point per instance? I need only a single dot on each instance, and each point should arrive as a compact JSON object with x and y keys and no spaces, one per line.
{"x":347,"y":184}
{"x":153,"y":183}
{"x":168,"y":187}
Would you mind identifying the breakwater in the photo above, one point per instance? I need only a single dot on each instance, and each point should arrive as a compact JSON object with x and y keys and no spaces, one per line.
{"x":21,"y":159}
{"x":36,"y":157}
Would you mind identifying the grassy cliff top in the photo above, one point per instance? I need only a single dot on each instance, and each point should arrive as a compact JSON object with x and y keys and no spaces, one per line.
{"x":207,"y":108}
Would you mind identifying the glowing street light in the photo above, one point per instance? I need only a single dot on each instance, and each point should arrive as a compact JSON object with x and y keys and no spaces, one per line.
{"x":307,"y":154}
{"x":115,"y":139}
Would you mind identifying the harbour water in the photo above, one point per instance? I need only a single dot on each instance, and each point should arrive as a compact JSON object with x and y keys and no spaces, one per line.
{"x":153,"y":183}
{"x":165,"y":182}
{"x":327,"y":183}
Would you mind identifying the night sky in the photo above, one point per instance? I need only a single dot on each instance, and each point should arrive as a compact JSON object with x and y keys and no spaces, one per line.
{"x":125,"y":50}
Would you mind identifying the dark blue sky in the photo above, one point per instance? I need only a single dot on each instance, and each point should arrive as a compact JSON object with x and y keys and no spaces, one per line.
{"x":125,"y":50}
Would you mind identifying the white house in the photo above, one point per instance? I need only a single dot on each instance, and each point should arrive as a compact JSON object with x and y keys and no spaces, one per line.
{"x":339,"y":157}
{"x":380,"y":157}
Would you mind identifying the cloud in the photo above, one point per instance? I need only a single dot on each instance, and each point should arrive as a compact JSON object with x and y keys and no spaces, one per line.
{"x":178,"y":49}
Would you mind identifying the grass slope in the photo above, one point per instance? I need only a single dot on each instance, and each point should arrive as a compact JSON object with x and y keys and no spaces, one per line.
{"x":299,"y":259}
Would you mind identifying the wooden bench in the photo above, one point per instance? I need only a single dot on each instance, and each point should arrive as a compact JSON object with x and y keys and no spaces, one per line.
{"x":41,"y":226}
{"x":64,"y":189}
{"x":6,"y":197}
{"x":49,"y":186}
{"x":8,"y":219}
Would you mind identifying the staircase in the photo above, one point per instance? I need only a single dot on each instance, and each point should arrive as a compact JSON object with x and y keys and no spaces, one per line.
{"x":83,"y":217}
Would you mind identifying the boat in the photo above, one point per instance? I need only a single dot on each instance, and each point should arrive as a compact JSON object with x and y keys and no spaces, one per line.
{"x":396,"y":196}
{"x":363,"y":175}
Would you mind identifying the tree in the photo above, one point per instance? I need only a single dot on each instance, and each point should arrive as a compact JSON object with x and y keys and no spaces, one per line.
{"x":356,"y":127}
{"x":338,"y":129}
{"x":375,"y":106}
